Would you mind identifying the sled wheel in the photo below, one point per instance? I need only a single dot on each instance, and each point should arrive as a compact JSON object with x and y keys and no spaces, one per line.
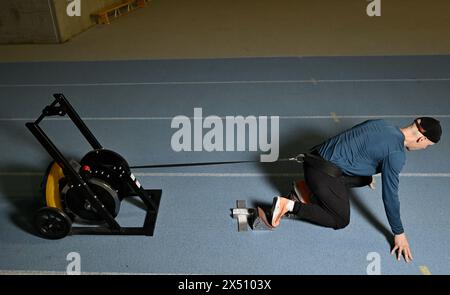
{"x":52,"y":223}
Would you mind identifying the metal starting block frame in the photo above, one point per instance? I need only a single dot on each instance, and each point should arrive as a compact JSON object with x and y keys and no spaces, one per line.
{"x":249,"y":216}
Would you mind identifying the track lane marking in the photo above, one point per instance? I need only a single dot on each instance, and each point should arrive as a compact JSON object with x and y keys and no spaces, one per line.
{"x":424,"y":270}
{"x":301,"y":81}
{"x":331,"y":116}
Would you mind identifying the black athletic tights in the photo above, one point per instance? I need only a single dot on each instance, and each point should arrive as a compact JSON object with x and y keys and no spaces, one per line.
{"x":332,"y":194}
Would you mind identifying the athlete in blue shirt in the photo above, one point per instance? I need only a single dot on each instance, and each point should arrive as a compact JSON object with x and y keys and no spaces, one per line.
{"x":353,"y":156}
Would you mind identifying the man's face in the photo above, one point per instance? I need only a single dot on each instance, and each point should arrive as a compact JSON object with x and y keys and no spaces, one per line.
{"x":420,"y":143}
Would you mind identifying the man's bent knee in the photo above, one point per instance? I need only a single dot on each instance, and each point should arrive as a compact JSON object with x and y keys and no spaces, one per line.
{"x":342,"y":222}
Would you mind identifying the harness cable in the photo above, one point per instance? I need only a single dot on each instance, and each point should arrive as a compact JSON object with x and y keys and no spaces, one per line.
{"x":309,"y":158}
{"x":299,"y":159}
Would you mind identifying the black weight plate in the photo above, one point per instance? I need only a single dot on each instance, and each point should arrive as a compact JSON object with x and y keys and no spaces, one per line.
{"x":52,"y":223}
{"x":77,"y":204}
{"x":104,"y":158}
{"x":108,"y":166}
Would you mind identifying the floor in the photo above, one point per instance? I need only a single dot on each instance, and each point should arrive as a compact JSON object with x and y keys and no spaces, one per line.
{"x":129,"y":105}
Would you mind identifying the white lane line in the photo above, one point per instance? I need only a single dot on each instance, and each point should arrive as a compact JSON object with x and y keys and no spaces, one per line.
{"x":302,"y":81}
{"x":21,"y":173}
{"x":201,"y":174}
{"x":217,"y":174}
{"x":425,"y":174}
{"x":312,"y":117}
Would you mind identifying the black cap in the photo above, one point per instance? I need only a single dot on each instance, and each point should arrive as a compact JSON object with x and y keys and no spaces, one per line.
{"x":429,"y":127}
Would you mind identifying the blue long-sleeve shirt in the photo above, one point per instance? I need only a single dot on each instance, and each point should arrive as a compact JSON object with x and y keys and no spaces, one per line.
{"x":372,"y":147}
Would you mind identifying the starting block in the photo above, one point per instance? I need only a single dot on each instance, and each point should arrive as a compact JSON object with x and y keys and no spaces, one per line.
{"x":257,"y":219}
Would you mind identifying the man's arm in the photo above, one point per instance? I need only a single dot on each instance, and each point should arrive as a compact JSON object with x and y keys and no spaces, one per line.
{"x":390,"y":170}
{"x":391,"y":167}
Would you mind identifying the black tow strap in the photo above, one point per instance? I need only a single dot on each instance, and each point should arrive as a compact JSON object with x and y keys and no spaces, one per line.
{"x":299,"y":159}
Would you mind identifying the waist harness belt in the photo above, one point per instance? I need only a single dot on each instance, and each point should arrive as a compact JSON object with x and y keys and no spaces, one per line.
{"x":314,"y":160}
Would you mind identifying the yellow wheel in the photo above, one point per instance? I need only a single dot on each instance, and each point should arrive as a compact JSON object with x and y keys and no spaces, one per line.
{"x":51,"y":186}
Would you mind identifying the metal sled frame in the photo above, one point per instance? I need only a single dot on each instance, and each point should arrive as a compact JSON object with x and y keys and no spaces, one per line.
{"x":151,"y":198}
